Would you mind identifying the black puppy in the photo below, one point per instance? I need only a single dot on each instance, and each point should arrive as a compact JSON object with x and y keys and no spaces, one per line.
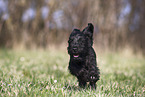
{"x":82,"y":62}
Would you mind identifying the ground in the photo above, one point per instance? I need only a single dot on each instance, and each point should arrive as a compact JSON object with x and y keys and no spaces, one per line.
{"x":45,"y":73}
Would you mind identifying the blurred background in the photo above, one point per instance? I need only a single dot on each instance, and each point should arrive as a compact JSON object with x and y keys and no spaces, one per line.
{"x":32,"y":24}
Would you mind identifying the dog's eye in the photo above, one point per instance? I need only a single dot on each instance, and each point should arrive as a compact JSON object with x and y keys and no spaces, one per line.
{"x":80,"y":39}
{"x":81,"y":42}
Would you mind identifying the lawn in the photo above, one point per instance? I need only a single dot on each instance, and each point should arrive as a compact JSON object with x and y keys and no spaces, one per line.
{"x":44,"y":73}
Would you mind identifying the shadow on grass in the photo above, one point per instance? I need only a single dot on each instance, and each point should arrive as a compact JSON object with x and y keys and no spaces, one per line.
{"x":71,"y":87}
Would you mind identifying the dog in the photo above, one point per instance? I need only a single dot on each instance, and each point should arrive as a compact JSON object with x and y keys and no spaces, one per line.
{"x":83,"y":62}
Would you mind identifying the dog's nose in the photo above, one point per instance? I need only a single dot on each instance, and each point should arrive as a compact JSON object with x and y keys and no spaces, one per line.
{"x":74,"y":49}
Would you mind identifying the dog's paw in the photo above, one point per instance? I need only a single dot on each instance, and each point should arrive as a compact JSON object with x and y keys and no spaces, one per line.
{"x":93,"y":76}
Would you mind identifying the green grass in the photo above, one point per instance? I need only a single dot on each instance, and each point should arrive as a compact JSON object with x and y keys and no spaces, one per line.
{"x":45,"y":73}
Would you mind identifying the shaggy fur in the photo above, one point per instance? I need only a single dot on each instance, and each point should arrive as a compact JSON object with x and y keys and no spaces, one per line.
{"x":82,"y":62}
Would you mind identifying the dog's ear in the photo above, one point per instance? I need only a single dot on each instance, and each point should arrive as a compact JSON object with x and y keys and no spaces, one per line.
{"x":88,"y":31}
{"x":75,"y":31}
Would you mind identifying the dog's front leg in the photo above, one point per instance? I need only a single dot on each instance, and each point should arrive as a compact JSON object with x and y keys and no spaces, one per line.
{"x":93,"y":85}
{"x":82,"y":78}
{"x":82,"y":83}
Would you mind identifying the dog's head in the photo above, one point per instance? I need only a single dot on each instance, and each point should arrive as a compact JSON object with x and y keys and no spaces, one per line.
{"x":80,"y":41}
{"x":77,"y":45}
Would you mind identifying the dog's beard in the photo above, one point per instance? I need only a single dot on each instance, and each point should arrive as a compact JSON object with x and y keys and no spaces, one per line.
{"x":77,"y":56}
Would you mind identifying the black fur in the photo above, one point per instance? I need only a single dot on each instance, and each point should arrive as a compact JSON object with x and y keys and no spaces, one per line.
{"x":82,"y":62}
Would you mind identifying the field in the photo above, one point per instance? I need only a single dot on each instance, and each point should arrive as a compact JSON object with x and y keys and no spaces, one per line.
{"x":44,"y":73}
